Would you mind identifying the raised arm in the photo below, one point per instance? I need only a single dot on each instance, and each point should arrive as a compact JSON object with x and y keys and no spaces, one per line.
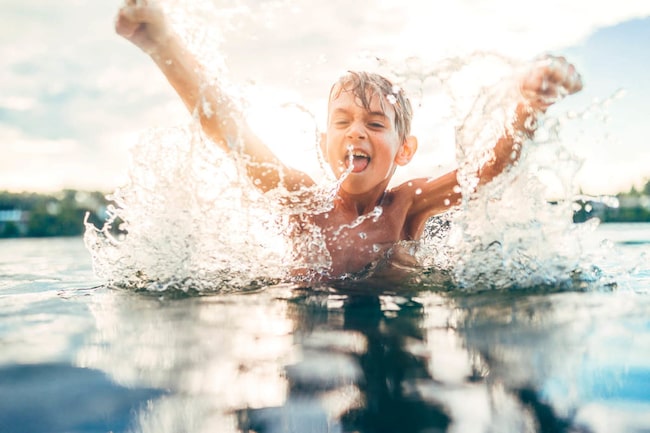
{"x":548,"y":80}
{"x":147,"y":28}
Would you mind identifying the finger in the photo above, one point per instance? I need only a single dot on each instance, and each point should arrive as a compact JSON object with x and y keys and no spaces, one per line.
{"x":548,"y":61}
{"x":557,"y":69}
{"x":124,"y":26}
{"x":140,"y":14}
{"x":559,"y":72}
{"x":566,"y":76}
{"x":575,"y":83}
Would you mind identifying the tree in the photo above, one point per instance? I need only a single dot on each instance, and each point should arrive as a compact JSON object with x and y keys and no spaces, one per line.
{"x":10,"y":230}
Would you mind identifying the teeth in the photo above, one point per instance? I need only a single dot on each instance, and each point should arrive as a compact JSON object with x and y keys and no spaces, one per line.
{"x":359,"y":154}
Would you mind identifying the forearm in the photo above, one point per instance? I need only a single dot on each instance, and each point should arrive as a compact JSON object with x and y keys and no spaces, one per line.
{"x":216,"y":112}
{"x":221,"y":119}
{"x":548,"y":81}
{"x":508,"y":148}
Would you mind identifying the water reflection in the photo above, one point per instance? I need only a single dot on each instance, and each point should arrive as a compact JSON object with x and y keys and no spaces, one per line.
{"x":354,"y":369}
{"x":563,"y":357}
{"x":331,"y":360}
{"x":56,"y":397}
{"x":501,"y":362}
{"x":415,"y":372}
{"x":215,"y":354}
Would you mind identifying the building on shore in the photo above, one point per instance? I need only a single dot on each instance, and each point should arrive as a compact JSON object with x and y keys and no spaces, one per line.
{"x":13,"y":222}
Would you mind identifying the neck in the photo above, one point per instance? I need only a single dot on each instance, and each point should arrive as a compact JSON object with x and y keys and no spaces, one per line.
{"x":361,"y":204}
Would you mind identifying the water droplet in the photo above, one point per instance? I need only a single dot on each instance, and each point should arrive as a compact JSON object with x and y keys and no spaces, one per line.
{"x":606,"y":243}
{"x":363,"y":235}
{"x":447,"y":202}
{"x":418,"y":191}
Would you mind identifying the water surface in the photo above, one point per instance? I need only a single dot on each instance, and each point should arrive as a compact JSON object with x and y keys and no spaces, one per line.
{"x":79,"y":356}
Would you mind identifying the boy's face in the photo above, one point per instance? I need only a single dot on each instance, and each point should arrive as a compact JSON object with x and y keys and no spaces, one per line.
{"x":365,"y":139}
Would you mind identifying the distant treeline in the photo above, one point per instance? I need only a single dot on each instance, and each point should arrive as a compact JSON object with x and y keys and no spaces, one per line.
{"x":632,"y":206}
{"x":62,"y":214}
{"x":43,"y":215}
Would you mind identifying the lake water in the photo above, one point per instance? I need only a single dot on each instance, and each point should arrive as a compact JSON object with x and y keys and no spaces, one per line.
{"x":76,"y":356}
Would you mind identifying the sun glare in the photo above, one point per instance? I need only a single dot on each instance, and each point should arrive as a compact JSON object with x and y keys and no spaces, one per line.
{"x":288,"y":126}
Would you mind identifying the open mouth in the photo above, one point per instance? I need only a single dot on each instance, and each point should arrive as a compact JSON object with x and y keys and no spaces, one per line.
{"x":358,"y":160}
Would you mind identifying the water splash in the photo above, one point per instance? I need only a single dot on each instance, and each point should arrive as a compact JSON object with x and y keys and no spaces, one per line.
{"x":192,"y":221}
{"x":517,"y":231}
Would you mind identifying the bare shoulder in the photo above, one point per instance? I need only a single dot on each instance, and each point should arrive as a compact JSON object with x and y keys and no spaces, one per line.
{"x":424,"y":198}
{"x":430,"y":192}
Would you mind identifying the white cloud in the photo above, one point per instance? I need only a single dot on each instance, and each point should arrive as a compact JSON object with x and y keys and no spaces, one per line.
{"x":515,"y":28}
{"x":40,"y":164}
{"x":69,"y":84}
{"x":18,"y":103}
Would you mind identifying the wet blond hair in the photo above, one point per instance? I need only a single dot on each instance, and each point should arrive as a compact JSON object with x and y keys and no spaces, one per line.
{"x":365,"y":85}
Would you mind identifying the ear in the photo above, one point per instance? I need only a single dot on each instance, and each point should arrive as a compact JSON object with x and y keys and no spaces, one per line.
{"x":406,"y":150}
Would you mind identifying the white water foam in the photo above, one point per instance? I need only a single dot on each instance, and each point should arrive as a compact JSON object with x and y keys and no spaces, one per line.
{"x":194,"y":222}
{"x":191,"y":221}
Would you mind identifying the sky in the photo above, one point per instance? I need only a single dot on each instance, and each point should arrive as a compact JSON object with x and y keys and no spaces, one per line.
{"x":74,"y":96}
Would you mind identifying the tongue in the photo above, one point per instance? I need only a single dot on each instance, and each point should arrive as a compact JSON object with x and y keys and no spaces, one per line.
{"x":359,"y":164}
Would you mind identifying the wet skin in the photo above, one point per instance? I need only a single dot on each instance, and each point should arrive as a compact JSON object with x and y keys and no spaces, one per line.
{"x":367,"y":219}
{"x":366,"y":138}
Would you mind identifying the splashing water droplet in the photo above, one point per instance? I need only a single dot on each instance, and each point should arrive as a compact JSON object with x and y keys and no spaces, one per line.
{"x":191,"y":224}
{"x":193,"y":221}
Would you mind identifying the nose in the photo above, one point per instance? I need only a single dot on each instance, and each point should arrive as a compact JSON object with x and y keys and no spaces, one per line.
{"x":356,"y":130}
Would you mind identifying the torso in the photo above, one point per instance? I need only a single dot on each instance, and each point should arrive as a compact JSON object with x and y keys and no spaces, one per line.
{"x":354,"y":241}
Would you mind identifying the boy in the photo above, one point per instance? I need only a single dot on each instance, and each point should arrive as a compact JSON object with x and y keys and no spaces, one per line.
{"x":368,"y":136}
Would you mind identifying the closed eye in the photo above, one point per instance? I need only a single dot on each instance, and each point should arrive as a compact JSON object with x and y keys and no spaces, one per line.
{"x":376,"y":120}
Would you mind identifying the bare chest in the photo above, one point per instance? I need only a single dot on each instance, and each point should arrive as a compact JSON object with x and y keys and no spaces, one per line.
{"x":355,"y":241}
